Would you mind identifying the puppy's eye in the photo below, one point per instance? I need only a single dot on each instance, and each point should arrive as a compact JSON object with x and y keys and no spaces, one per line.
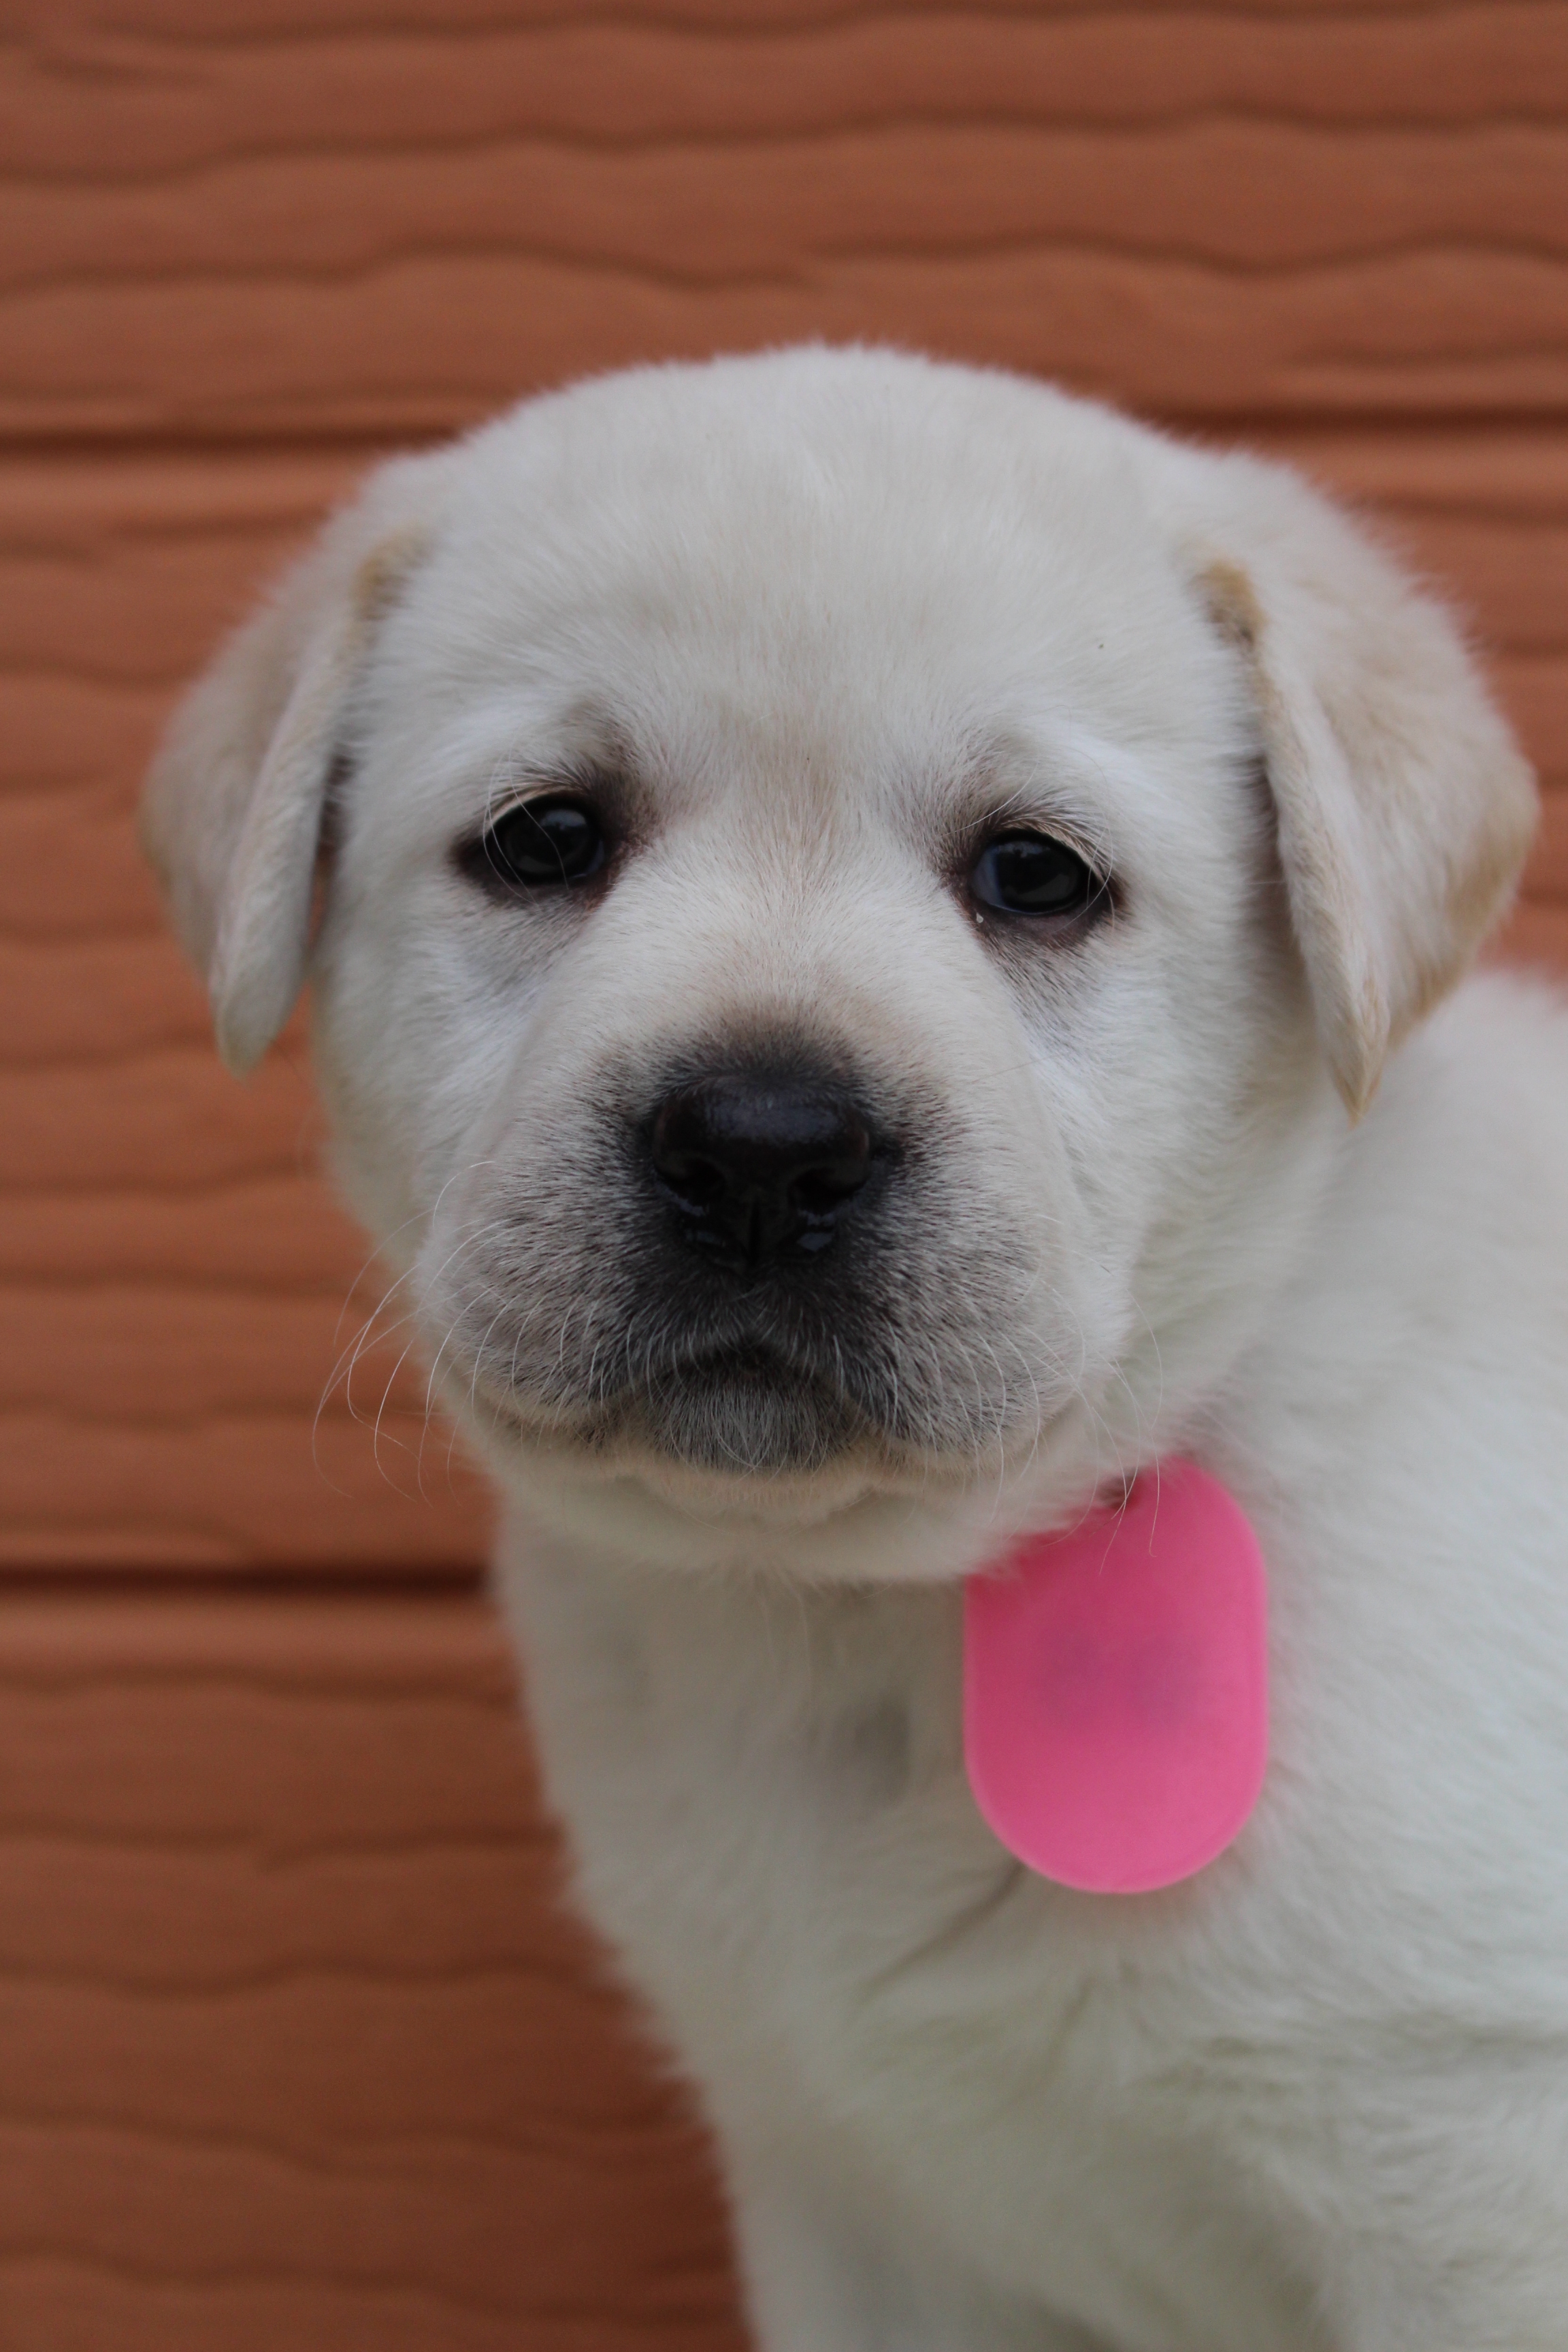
{"x":540,"y":846}
{"x":1030,"y":873}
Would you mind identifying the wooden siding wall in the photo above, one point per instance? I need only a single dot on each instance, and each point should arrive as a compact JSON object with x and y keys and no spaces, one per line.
{"x":295,"y":2047}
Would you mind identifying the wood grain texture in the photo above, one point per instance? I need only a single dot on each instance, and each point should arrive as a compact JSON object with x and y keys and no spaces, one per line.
{"x":174,"y":1280}
{"x":298,"y":2047}
{"x":232,"y":221}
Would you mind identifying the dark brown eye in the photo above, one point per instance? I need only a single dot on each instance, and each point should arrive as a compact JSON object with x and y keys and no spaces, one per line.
{"x":1030,"y":873}
{"x":540,"y":846}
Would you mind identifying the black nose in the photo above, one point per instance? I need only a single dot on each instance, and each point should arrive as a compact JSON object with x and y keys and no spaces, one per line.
{"x":759,"y":1169}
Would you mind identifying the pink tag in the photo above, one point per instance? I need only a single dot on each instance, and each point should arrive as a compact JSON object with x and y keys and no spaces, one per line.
{"x":1116,"y":1688}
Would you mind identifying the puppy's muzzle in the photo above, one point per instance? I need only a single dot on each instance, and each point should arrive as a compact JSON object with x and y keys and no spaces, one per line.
{"x":760,"y":1170}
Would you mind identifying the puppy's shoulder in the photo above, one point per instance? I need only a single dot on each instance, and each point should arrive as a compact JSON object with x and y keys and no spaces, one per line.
{"x":1416,"y":1365}
{"x":1469,"y":1142}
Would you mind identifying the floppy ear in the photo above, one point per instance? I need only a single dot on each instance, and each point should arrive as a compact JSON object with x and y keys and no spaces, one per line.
{"x":1405,"y":808}
{"x":233,"y":815}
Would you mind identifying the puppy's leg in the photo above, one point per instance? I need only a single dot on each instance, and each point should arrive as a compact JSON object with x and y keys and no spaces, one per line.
{"x":825,"y":2272}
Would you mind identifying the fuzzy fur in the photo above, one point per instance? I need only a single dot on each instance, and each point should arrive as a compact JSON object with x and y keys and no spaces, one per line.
{"x":813,"y":623}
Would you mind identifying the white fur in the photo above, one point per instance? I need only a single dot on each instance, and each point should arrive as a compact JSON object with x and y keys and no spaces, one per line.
{"x":1318,"y":2096}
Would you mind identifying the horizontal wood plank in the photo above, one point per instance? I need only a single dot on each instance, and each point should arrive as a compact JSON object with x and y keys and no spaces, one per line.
{"x":297,"y":2041}
{"x":228,"y":224}
{"x":440,"y":75}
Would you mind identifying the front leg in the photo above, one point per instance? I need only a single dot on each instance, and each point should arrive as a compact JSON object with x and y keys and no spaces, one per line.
{"x":828,"y":2268}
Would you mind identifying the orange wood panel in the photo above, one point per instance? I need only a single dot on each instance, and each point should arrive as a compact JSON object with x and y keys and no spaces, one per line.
{"x":297,"y":2045}
{"x":356,"y":76}
{"x":173,"y":1274}
{"x":233,"y":219}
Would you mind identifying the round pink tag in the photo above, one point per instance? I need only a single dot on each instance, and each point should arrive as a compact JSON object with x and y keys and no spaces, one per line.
{"x":1115,"y":1688}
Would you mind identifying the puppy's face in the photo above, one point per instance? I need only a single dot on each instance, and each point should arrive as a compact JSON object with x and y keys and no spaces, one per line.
{"x":805,"y":986}
{"x":799,"y":933}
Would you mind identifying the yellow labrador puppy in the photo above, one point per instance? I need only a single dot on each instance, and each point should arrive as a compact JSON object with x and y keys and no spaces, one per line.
{"x":881,"y":968}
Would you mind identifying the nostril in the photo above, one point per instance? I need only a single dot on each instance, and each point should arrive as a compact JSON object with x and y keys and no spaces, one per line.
{"x":699,"y":1182}
{"x":822,"y":1189}
{"x":678,"y":1135}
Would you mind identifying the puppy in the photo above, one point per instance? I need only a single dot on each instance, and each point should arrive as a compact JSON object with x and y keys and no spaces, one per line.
{"x":880,"y":964}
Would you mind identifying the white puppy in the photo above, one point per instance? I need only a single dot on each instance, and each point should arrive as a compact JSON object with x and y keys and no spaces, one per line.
{"x":863,"y":907}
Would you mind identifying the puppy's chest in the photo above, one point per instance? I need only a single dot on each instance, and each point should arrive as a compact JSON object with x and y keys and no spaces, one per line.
{"x":768,"y":1805}
{"x":784,"y":1771}
{"x":767,"y":1799}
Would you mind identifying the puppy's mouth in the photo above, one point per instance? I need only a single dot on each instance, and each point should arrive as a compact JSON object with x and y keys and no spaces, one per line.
{"x":892,"y":1350}
{"x":746,"y":1408}
{"x":747,"y":1360}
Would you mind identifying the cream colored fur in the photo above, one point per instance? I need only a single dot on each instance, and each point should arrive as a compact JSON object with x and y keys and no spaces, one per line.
{"x":820,"y":616}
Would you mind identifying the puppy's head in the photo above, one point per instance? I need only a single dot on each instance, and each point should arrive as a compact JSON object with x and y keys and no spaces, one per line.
{"x":844,"y":889}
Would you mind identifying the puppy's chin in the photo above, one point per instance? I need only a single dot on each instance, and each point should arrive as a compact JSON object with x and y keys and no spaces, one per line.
{"x":737,"y":1429}
{"x":855,"y":1521}
{"x":872,"y":1513}
{"x":696,"y":1473}
{"x":737,"y":1460}
{"x":739,"y":1414}
{"x":867,"y":1519}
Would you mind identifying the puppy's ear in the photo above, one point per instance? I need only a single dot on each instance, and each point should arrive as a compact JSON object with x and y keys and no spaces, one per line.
{"x":233,"y":807}
{"x":1404,"y":809}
